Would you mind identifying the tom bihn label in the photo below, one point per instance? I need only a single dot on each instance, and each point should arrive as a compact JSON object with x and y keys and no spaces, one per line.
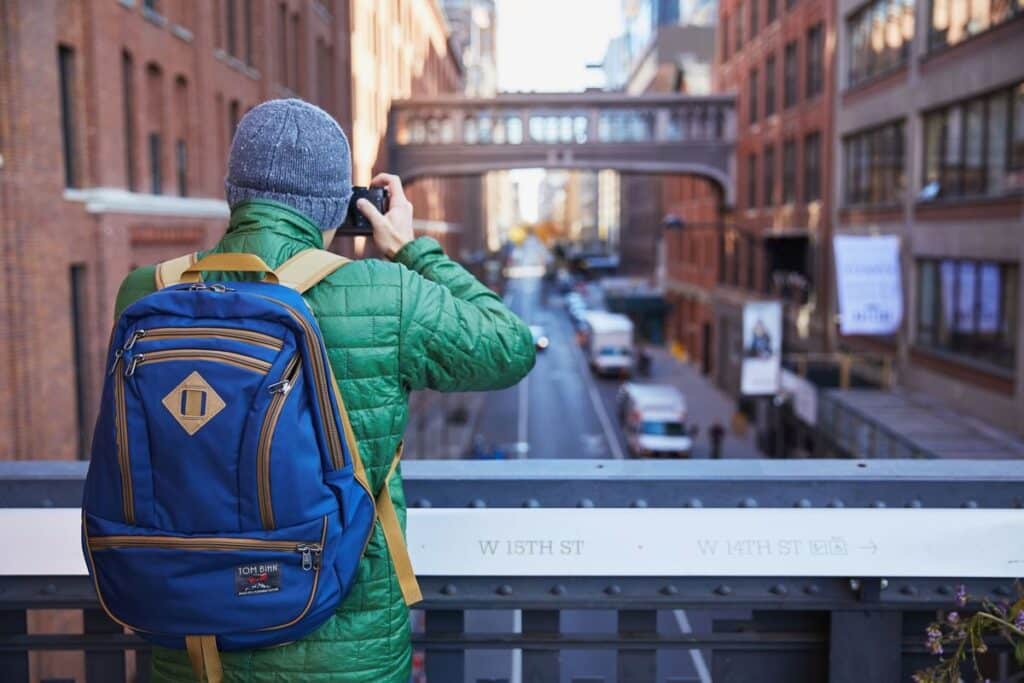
{"x":257,"y":578}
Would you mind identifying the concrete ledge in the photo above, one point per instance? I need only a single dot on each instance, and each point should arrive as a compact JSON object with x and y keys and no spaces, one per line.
{"x":116,"y":200}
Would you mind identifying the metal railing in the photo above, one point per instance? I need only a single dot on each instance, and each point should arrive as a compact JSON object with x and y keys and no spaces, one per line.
{"x":793,"y":628}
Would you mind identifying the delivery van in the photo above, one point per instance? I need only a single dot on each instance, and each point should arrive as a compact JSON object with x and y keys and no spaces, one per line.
{"x":653,"y":417}
{"x":608,"y":340}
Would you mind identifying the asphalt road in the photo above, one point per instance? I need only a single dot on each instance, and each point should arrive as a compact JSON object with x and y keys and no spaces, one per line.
{"x":562,"y":411}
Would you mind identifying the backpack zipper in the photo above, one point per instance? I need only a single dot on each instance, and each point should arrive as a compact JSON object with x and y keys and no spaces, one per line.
{"x":247,"y":336}
{"x":227,"y":357}
{"x":311,"y":554}
{"x":121,"y":439}
{"x":280,"y":390}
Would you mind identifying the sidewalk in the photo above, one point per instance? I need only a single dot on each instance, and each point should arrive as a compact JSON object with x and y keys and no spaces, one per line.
{"x":441,"y":426}
{"x":705,"y":403}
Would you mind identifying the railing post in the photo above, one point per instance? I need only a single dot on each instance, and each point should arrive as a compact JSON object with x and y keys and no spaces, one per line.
{"x":541,"y":666}
{"x":102,"y":667}
{"x":865,"y":646}
{"x":14,"y":665}
{"x":637,"y":666}
{"x":443,"y":665}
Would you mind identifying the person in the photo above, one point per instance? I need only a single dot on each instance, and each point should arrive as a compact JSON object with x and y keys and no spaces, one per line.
{"x":716,"y":434}
{"x":414,"y":320}
{"x":760,"y":342}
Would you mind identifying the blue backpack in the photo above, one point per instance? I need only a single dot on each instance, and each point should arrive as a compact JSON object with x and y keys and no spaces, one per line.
{"x":226,"y":506}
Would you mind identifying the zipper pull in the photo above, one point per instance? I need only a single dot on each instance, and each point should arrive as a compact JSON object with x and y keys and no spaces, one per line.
{"x":310,"y":556}
{"x":117,"y":359}
{"x":136,"y":336}
{"x":138,"y":358}
{"x":281,"y":387}
{"x":307,"y":557}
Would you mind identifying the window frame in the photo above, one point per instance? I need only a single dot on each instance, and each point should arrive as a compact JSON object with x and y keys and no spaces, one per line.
{"x":791,"y":68}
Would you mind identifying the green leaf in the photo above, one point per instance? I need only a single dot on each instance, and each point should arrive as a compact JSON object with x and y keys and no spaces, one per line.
{"x":1018,"y":652}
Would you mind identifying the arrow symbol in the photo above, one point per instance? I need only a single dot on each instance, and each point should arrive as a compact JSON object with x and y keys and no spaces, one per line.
{"x":873,"y":548}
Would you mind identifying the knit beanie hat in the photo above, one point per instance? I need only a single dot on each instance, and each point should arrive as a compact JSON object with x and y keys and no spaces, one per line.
{"x":292,"y":152}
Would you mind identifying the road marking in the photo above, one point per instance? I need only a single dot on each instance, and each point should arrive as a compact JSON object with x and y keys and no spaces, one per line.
{"x":595,"y":398}
{"x":696,"y":655}
{"x":524,"y":409}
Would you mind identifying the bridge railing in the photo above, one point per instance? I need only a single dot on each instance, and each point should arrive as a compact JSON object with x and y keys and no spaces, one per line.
{"x":826,"y":570}
{"x":564,"y":120}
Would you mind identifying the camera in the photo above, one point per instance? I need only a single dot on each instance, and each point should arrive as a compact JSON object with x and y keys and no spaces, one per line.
{"x":355,"y":222}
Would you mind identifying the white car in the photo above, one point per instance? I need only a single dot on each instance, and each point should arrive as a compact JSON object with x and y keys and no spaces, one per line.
{"x":653,"y":417}
{"x":540,"y":339}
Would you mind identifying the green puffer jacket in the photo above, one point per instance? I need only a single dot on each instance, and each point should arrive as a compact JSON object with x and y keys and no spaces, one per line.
{"x":421,"y":322}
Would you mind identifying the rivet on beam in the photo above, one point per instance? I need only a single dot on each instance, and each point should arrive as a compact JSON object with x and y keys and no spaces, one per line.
{"x":914,"y":503}
{"x":970,"y":504}
{"x":748,"y":503}
{"x":723,"y":590}
{"x":531,"y":503}
{"x":504,"y":589}
{"x":1002,"y":591}
{"x":612,"y":590}
{"x":585,"y":503}
{"x":908,"y":590}
{"x":694,"y":503}
{"x":878,"y":504}
{"x":477,"y":503}
{"x":812,"y":589}
{"x":638,"y":503}
{"x":669,"y":590}
{"x":944,"y":589}
{"x":422,"y":503}
{"x":836,"y":503}
{"x":780,"y":589}
{"x":802,"y":503}
{"x":557,"y":589}
{"x":449,"y":589}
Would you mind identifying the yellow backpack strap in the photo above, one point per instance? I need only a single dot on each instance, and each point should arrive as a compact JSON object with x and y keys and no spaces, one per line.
{"x":395,"y":539}
{"x":308,"y":267}
{"x":385,"y":507}
{"x":205,"y":660}
{"x":169,"y":272}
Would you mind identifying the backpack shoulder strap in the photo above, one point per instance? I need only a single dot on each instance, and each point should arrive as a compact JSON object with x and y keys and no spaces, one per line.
{"x":169,"y":272}
{"x":309,"y":267}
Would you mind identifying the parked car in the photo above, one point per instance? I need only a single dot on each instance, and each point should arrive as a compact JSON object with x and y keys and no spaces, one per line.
{"x":653,"y":417}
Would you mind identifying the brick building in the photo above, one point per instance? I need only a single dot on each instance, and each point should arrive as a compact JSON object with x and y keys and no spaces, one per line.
{"x":929,"y":146}
{"x":777,"y":56}
{"x":115,"y":121}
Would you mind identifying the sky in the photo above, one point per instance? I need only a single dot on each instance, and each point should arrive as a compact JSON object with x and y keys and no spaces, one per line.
{"x":545,"y":45}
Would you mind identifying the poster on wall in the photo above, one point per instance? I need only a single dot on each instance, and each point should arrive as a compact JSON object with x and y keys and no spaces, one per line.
{"x":760,"y":374}
{"x":869,"y":285}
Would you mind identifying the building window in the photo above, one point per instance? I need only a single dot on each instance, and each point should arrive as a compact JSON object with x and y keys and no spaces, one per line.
{"x":79,"y":347}
{"x":790,"y":4}
{"x":815,"y":77}
{"x":789,"y":171}
{"x":751,"y":181}
{"x":874,"y":165}
{"x":155,"y":163}
{"x":68,"y":112}
{"x":953,"y":21}
{"x":738,"y":32}
{"x":181,"y":166}
{"x":771,"y":11}
{"x":151,"y":5}
{"x":234,"y":116}
{"x":969,"y":308}
{"x":769,"y":86}
{"x":295,"y":42}
{"x":769,"y":175}
{"x":284,"y":76}
{"x":975,"y":147}
{"x":812,"y":167}
{"x":880,"y":37}
{"x":128,"y":110}
{"x":754,"y":18}
{"x":725,"y":37}
{"x":753,"y":96}
{"x":247,"y":29}
{"x":230,"y":24}
{"x":790,"y":75}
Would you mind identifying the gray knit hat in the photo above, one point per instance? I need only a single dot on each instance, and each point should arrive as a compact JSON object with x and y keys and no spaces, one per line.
{"x":292,"y":152}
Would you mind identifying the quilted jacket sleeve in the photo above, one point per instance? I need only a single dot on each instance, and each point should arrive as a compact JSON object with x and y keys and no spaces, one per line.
{"x":456,"y":334}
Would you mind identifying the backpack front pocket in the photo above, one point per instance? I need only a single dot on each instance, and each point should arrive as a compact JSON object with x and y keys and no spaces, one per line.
{"x":212,"y":584}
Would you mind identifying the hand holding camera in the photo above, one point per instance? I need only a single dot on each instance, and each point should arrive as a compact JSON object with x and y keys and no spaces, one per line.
{"x":385,"y":208}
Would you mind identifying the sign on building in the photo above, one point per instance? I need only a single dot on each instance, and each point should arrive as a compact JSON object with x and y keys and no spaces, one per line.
{"x":869,"y":284}
{"x":762,"y":348}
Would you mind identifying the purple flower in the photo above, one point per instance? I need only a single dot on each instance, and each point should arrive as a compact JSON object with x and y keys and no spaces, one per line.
{"x":961,"y":595}
{"x":953,"y":618}
{"x":935,"y":647}
{"x":1018,"y":620}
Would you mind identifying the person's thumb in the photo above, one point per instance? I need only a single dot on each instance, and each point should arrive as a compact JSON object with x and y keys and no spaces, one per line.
{"x":376,"y":218}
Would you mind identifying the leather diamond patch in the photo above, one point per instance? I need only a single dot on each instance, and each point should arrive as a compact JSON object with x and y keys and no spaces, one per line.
{"x":193,"y":403}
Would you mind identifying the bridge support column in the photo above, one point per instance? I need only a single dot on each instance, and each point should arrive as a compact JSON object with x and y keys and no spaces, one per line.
{"x":541,"y":666}
{"x":444,"y":665}
{"x":865,"y":645}
{"x":637,"y":666}
{"x":14,"y":663}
